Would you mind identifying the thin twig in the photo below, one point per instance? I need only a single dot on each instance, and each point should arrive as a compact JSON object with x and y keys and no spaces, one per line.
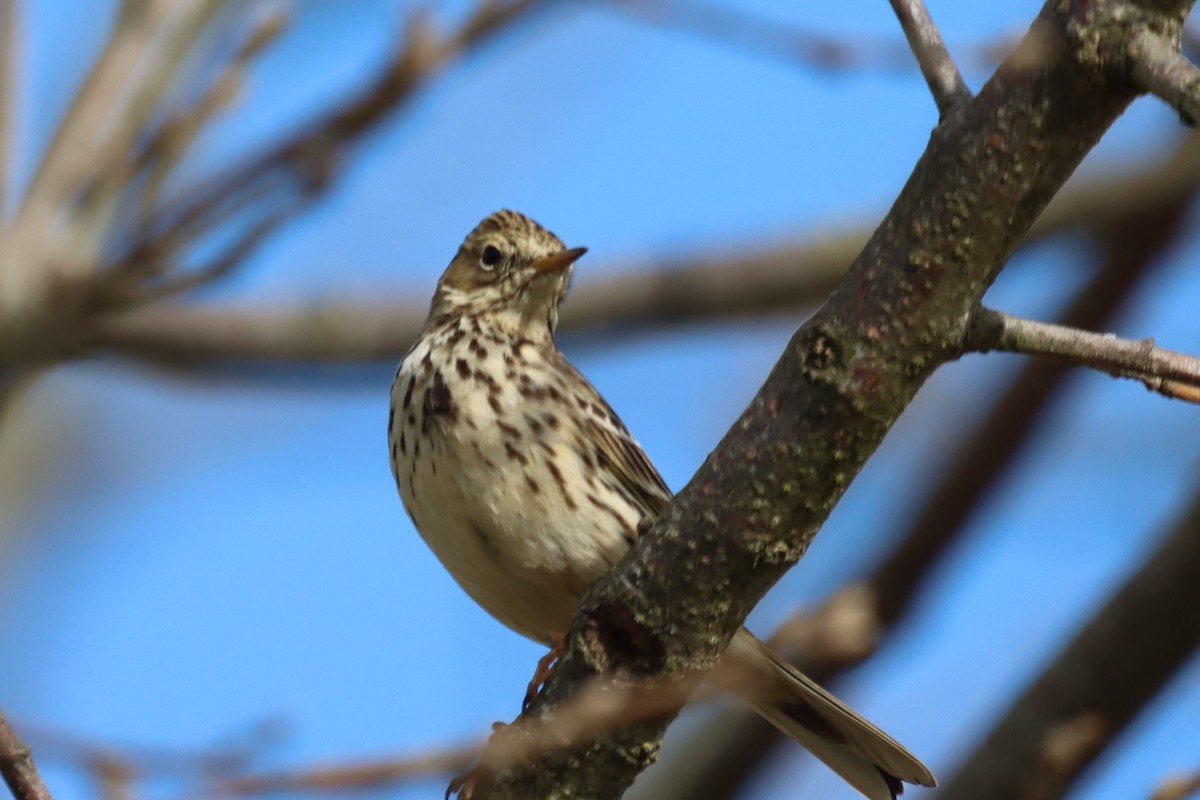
{"x":760,"y":35}
{"x":103,"y":96}
{"x":756,"y":34}
{"x":303,"y":163}
{"x":1159,"y":68}
{"x":1164,"y":371}
{"x":17,"y":767}
{"x":136,"y":762}
{"x":945,"y":83}
{"x":104,"y":175}
{"x":366,"y":775}
{"x":603,"y":705}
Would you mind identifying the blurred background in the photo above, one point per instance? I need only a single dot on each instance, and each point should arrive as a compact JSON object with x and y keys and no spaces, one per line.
{"x":223,"y":222}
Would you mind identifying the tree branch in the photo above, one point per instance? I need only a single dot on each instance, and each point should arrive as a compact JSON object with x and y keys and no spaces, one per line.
{"x":725,"y":755}
{"x":680,"y":290}
{"x":945,"y":83}
{"x":1178,"y":788}
{"x":300,"y":165}
{"x":384,"y":325}
{"x":364,"y":776}
{"x":1097,"y":685}
{"x":8,"y":105}
{"x":1164,"y":371}
{"x":103,"y":188}
{"x":673,"y":603}
{"x":17,"y":767}
{"x":1159,"y":68}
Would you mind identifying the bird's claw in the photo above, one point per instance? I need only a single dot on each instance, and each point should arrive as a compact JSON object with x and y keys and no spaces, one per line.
{"x":545,"y":668}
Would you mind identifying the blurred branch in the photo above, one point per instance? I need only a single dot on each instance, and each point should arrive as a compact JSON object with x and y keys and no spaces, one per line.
{"x":17,"y":767}
{"x":601,"y":706}
{"x":123,"y":244}
{"x":293,"y":171}
{"x":1164,"y":371}
{"x":1178,"y":788}
{"x":1159,"y":68}
{"x":681,"y":290}
{"x":139,"y":60}
{"x":945,"y":82}
{"x":384,"y":324}
{"x":725,"y":754}
{"x":135,"y":763}
{"x":757,"y":34}
{"x":1111,"y":669}
{"x":363,"y":776}
{"x":8,"y":104}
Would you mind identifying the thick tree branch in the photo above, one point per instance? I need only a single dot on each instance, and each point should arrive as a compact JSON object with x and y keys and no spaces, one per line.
{"x":1164,"y":371}
{"x":726,"y":754}
{"x":1097,"y":685}
{"x":753,"y":508}
{"x":945,"y":83}
{"x":1162,"y":70}
{"x":17,"y":767}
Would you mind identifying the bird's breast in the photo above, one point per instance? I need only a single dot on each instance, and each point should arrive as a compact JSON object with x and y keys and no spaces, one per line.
{"x":499,"y":478}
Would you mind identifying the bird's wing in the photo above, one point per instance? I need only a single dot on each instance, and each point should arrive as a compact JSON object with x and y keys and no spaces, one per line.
{"x":618,"y":453}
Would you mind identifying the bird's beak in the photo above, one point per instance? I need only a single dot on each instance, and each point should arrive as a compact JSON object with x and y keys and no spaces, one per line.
{"x":559,"y":261}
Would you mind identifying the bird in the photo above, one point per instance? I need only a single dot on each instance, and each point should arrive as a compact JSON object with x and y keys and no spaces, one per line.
{"x":527,"y":486}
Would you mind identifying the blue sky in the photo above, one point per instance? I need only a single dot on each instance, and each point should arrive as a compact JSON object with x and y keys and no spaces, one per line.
{"x":195,"y":555}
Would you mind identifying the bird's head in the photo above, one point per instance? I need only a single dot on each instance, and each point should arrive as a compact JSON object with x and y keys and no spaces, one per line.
{"x":509,"y":268}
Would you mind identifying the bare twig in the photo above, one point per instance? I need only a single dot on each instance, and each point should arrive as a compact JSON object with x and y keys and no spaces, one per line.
{"x":600,"y":706}
{"x":730,"y":25}
{"x":365,"y":775}
{"x":134,"y":762}
{"x":1159,"y":68}
{"x":123,"y":88}
{"x":945,"y":83}
{"x":1164,"y":371}
{"x":1179,"y":787}
{"x":302,"y":164}
{"x":17,"y":767}
{"x":755,"y":34}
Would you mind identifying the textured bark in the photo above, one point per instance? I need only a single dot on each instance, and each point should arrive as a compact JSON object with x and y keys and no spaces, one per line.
{"x":735,"y":744}
{"x":17,"y":767}
{"x":672,"y":605}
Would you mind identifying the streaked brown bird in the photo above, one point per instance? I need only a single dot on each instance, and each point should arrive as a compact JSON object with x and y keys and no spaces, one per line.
{"x":528,"y":487}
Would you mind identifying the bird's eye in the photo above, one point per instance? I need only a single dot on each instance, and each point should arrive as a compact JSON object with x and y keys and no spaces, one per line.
{"x":491,"y":257}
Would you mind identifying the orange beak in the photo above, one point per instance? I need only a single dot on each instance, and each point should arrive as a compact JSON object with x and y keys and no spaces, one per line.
{"x":559,"y":261}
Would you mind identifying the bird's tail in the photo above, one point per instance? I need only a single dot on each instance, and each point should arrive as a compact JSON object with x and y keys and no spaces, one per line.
{"x":863,"y":755}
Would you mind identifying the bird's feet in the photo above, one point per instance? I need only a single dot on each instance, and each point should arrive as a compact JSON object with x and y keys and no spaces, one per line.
{"x":545,"y":668}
